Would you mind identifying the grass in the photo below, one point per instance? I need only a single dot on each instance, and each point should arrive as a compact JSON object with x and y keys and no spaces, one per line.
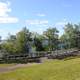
{"x":50,"y":70}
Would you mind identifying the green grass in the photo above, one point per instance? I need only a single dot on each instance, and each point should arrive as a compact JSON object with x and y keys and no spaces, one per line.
{"x":50,"y":70}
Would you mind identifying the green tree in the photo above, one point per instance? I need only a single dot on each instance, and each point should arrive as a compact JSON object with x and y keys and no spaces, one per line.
{"x":9,"y":45}
{"x":23,"y":40}
{"x":11,"y":38}
{"x":19,"y":43}
{"x":71,"y":35}
{"x":51,"y":35}
{"x":38,"y":41}
{"x":77,"y":35}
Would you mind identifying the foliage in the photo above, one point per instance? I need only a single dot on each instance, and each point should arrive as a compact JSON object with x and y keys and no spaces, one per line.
{"x":24,"y":41}
{"x":70,"y":36}
{"x":19,"y":43}
{"x":52,"y":37}
{"x":38,"y":42}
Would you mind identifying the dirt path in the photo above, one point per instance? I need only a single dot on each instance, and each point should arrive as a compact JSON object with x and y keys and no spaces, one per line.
{"x":14,"y":67}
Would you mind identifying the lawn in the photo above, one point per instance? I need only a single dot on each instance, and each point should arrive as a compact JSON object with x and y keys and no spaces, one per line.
{"x":49,"y":70}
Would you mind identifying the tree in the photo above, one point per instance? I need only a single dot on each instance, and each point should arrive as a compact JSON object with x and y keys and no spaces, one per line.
{"x":11,"y":38}
{"x":77,"y":35}
{"x":19,"y":43}
{"x":9,"y":48}
{"x":9,"y":45}
{"x":52,"y":37}
{"x":71,"y":35}
{"x":37,"y":41}
{"x":0,"y":42}
{"x":23,"y":40}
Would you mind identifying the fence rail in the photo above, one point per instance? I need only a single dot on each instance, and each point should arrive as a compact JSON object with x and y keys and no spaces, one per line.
{"x":35,"y":57}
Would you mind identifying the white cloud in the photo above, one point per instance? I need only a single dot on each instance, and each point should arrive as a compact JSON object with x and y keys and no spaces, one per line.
{"x":41,"y":15}
{"x":8,"y":20}
{"x":4,"y":9}
{"x":61,"y":23}
{"x":4,"y":13}
{"x":36,"y":22}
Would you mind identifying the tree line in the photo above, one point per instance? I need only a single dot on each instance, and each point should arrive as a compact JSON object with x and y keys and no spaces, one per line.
{"x":25,"y":41}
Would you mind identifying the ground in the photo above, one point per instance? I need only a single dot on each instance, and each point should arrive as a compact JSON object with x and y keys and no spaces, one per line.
{"x":68,"y":69}
{"x":11,"y":67}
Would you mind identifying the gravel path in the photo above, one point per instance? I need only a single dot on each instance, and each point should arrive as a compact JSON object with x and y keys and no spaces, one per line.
{"x":14,"y":67}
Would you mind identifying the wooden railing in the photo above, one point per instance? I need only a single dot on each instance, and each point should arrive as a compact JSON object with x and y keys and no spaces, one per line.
{"x":35,"y":57}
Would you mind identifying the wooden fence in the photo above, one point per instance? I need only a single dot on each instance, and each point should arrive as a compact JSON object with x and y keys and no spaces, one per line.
{"x":35,"y":57}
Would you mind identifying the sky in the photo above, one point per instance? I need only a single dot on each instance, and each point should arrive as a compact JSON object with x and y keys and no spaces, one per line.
{"x":37,"y":15}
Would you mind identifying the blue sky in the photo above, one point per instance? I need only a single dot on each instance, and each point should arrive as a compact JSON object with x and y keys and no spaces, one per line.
{"x":37,"y":15}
